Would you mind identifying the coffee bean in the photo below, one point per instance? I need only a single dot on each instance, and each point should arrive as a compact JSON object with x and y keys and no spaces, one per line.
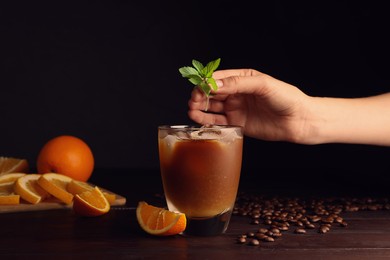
{"x":327,"y":220}
{"x":276,"y":235}
{"x":323,"y":229}
{"x":268,"y":239}
{"x":262,"y":230}
{"x":241,"y":240}
{"x":315,"y":219}
{"x":260,"y":236}
{"x":300,"y":231}
{"x":254,"y":242}
{"x":256,"y":215}
{"x":284,"y":228}
{"x":255,"y":222}
{"x":343,"y":224}
{"x":250,"y":234}
{"x":338,"y":220}
{"x":310,"y":226}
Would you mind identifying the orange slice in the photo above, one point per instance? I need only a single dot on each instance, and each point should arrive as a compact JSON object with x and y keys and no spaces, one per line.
{"x":10,"y":177}
{"x":55,"y":184}
{"x":29,"y":190}
{"x":159,"y":221}
{"x":7,"y":195}
{"x":10,"y":164}
{"x":7,"y":182}
{"x":91,"y":203}
{"x":77,"y":187}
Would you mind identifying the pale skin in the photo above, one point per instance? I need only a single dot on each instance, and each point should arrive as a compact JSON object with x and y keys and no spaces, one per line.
{"x":273,"y":110}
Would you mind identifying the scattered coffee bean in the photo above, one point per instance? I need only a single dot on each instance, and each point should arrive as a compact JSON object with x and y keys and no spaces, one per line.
{"x":338,"y":220}
{"x":260,"y":236}
{"x":327,"y":220}
{"x":254,"y":242}
{"x":276,"y":215}
{"x":300,"y":231}
{"x":250,"y":234}
{"x":262,"y":230}
{"x":315,"y":219}
{"x":241,"y":240}
{"x":323,"y":229}
{"x":310,"y":226}
{"x":268,"y":239}
{"x":343,"y":224}
{"x":255,"y":222}
{"x":284,"y":228}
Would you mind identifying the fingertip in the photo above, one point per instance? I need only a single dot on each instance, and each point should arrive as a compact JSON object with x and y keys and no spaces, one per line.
{"x":219,"y":83}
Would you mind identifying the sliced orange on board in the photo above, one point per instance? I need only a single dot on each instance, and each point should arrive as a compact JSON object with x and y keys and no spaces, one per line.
{"x":91,"y":203}
{"x":87,"y":199}
{"x":7,"y":194}
{"x":56,"y":184}
{"x":159,"y":221}
{"x":78,"y":187}
{"x":28,"y":188}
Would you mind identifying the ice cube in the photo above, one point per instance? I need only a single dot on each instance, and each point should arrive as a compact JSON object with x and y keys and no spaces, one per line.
{"x":228,"y":135}
{"x":182,"y":135}
{"x":206,"y":134}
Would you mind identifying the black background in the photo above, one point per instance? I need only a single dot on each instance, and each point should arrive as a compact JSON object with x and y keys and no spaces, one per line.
{"x":107,"y":72}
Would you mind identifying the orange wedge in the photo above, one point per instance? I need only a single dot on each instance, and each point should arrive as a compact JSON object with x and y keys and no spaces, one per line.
{"x":55,"y":184}
{"x":91,"y":203}
{"x":29,"y":190}
{"x":159,"y":221}
{"x":10,"y":164}
{"x":77,"y":187}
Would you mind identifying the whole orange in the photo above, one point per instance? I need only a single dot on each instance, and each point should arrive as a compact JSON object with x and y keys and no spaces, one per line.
{"x":67,"y":155}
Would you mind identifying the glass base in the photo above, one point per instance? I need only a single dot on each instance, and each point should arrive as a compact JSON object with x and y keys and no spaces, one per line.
{"x":208,"y":226}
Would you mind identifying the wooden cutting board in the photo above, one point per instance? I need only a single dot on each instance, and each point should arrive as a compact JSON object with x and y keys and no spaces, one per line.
{"x":49,"y":205}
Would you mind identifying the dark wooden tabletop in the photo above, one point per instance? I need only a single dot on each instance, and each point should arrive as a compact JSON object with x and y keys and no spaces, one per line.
{"x":60,"y":234}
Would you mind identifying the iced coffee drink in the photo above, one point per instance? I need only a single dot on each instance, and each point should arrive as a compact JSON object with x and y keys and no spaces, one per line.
{"x":200,"y":169}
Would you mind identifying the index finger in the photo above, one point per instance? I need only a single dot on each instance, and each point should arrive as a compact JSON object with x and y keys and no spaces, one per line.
{"x":220,"y":74}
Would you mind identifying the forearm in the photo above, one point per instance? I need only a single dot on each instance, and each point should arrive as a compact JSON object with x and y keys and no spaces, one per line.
{"x":355,"y":120}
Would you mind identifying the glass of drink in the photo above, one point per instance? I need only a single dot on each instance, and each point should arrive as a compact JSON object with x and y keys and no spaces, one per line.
{"x":200,"y":169}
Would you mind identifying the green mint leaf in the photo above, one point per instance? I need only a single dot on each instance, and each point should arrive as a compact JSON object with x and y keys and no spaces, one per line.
{"x":195,"y":79}
{"x":211,"y":67}
{"x":198,"y":66}
{"x":201,"y":76}
{"x":188,"y":71}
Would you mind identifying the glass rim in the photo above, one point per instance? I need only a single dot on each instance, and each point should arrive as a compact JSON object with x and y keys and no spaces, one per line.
{"x":196,"y":127}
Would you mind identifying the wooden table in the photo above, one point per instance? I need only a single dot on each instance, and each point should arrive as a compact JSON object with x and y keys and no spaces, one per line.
{"x":59,"y":234}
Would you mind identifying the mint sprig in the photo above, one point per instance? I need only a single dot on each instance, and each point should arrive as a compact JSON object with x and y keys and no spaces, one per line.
{"x":201,"y":76}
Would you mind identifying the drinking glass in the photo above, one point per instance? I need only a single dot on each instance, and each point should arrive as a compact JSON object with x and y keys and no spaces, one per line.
{"x":200,"y":169}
